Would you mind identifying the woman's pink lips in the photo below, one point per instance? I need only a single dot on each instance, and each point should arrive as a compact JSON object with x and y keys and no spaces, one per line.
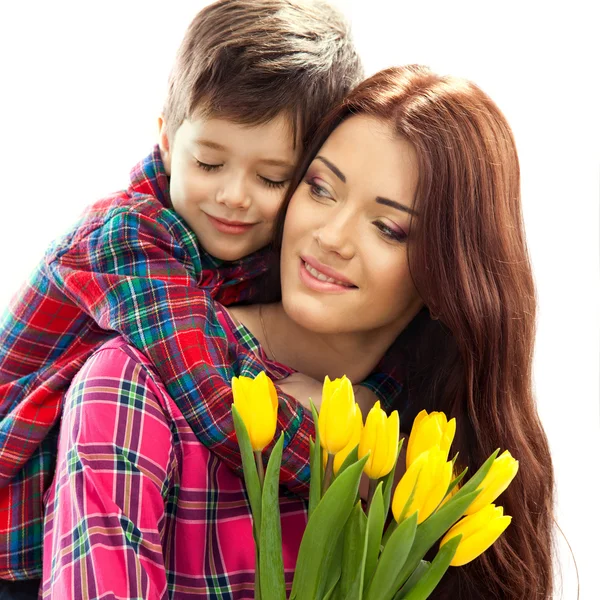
{"x":317,"y":285}
{"x":327,"y":271}
{"x":230,"y":227}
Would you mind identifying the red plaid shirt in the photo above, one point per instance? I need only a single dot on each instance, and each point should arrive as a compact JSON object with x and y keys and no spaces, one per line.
{"x":129,"y":266}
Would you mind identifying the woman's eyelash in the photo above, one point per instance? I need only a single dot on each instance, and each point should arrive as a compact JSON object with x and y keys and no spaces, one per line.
{"x":207,"y":167}
{"x":317,"y":190}
{"x":393,"y":234}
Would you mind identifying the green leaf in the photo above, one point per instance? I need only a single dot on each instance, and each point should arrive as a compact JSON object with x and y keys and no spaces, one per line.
{"x":421,"y":569}
{"x":383,"y":586}
{"x":428,"y":582}
{"x":355,"y":538}
{"x":249,"y":467}
{"x":335,"y":572}
{"x":326,"y":524}
{"x":271,"y":576}
{"x":455,"y":482}
{"x":333,"y":589}
{"x":479,"y":476}
{"x":388,"y":482}
{"x":316,"y":465}
{"x":349,"y":460}
{"x":375,"y":524}
{"x":432,"y":529}
{"x":388,"y":532}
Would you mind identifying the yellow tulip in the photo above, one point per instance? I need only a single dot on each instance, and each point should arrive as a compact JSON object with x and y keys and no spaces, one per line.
{"x":479,"y":531}
{"x":337,"y":414}
{"x":429,"y":476}
{"x":379,"y":436}
{"x":429,"y":430}
{"x":357,"y":427}
{"x":501,"y":473}
{"x":256,"y":401}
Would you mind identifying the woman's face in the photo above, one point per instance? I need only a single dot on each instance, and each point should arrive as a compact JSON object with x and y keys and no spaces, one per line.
{"x":344,"y":266}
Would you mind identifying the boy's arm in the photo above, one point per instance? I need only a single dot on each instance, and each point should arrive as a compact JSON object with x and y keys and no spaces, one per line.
{"x":140,"y":274}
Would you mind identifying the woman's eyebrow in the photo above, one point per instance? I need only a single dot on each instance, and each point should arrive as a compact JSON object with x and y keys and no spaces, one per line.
{"x":333,"y":168}
{"x":398,"y":205}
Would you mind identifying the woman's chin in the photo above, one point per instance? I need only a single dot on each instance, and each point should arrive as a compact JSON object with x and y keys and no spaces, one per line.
{"x":313,"y":316}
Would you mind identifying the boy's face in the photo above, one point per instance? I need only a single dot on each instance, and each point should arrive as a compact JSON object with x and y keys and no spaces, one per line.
{"x":228,"y":180}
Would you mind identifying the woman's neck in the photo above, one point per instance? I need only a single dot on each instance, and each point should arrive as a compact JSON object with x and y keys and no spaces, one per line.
{"x":310,"y":353}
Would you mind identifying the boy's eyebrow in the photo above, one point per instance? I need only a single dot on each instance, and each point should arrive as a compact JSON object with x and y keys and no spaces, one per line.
{"x":277,"y":162}
{"x":398,"y":205}
{"x":210,"y":144}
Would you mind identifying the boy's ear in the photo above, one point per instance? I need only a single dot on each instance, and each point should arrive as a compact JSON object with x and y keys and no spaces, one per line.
{"x":164,"y":144}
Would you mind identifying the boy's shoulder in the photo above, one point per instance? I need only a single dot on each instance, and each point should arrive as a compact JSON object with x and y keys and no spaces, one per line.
{"x":147,"y":193}
{"x":145,"y":199}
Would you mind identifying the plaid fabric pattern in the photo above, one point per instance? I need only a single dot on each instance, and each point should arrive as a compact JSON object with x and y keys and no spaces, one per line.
{"x":130,"y":266}
{"x":141,"y":509}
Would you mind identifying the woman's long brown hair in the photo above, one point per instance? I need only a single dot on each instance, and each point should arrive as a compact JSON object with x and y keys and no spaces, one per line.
{"x":469,"y":352}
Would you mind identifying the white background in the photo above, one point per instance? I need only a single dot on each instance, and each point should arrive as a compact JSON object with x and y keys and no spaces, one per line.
{"x":82,"y":85}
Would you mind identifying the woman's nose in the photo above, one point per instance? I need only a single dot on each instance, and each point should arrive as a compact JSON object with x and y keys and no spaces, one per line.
{"x":336,"y":236}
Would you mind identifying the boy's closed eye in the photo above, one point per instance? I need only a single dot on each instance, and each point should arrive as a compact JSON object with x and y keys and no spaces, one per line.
{"x":272,"y":183}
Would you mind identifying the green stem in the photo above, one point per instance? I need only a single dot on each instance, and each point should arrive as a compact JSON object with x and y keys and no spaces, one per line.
{"x":372,"y":487}
{"x":261,"y":478}
{"x":328,"y":473}
{"x":256,"y":576}
{"x":260,"y":467}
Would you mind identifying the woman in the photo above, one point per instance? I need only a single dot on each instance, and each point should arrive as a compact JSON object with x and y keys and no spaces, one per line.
{"x":403,"y":227}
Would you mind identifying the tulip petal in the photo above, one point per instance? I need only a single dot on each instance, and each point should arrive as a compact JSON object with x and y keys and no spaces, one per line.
{"x":498,"y":478}
{"x":357,"y":425}
{"x":475,"y":545}
{"x":405,"y":488}
{"x":448,"y":436}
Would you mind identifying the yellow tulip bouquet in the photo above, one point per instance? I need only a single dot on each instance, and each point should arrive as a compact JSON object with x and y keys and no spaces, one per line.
{"x":347,"y":552}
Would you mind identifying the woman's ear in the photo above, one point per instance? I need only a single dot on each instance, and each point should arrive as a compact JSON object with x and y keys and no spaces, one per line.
{"x":164,"y":144}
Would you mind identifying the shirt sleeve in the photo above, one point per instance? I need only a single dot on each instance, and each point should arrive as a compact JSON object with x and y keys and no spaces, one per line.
{"x":106,"y":508}
{"x":386,"y":380}
{"x":141,"y":274}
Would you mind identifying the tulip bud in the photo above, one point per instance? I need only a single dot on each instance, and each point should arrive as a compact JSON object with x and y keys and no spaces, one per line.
{"x":256,"y":402}
{"x":479,"y":531}
{"x":429,"y":476}
{"x":429,"y":430}
{"x":337,"y":414}
{"x":357,"y":427}
{"x":501,"y":473}
{"x":379,"y":436}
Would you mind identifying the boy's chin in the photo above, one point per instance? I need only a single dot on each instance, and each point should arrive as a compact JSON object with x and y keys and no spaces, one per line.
{"x":228,"y":252}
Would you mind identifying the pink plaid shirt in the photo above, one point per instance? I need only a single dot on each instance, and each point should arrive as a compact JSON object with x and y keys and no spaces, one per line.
{"x":139,"y":508}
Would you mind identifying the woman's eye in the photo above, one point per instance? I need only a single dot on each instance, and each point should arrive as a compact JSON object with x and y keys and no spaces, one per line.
{"x":207,"y":167}
{"x":317,"y":191}
{"x":273,"y":184}
{"x":398,"y":235}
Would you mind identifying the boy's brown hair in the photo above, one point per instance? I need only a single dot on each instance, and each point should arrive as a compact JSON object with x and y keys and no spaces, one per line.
{"x":250,"y":60}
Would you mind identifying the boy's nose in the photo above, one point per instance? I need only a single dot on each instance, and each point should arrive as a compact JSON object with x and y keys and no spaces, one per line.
{"x":234,"y":195}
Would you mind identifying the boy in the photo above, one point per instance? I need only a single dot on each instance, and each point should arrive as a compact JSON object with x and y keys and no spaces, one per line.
{"x":251,"y":81}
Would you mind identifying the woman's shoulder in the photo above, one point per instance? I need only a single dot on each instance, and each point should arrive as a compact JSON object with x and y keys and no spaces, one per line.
{"x":117,"y":374}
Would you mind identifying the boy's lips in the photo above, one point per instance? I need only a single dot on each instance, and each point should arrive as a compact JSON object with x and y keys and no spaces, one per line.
{"x":230,"y":227}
